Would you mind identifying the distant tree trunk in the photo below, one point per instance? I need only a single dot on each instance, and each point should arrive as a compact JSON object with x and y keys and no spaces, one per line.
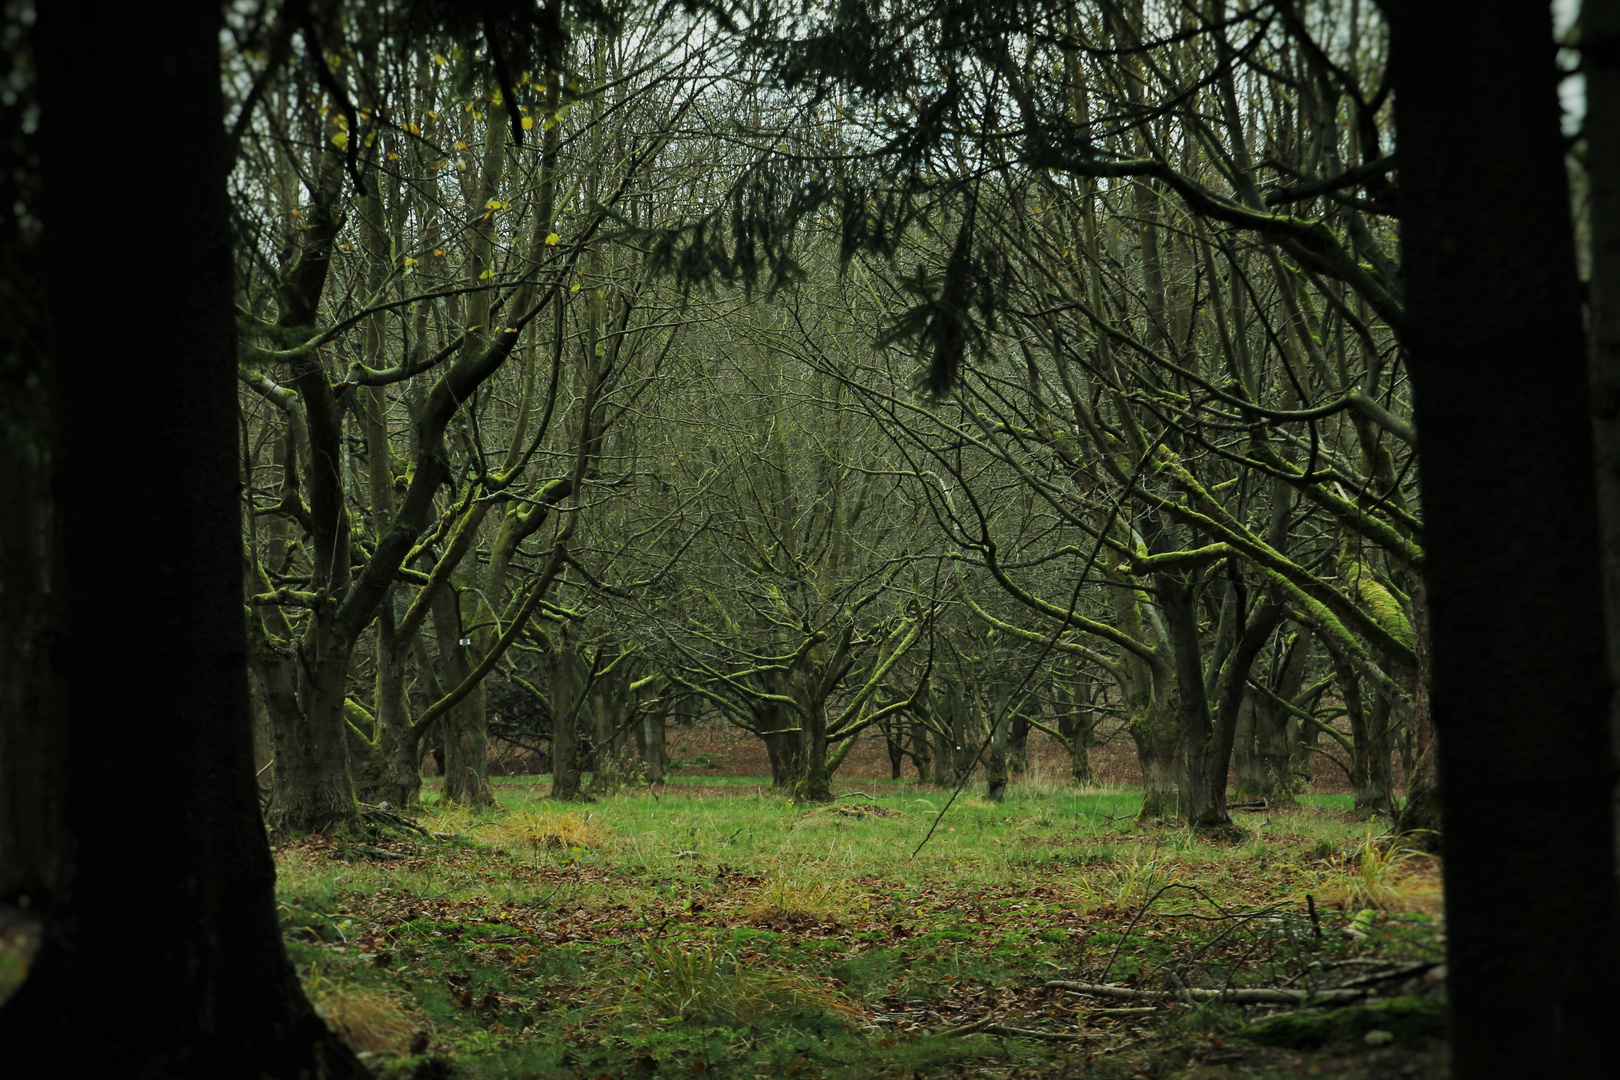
{"x":1018,"y":730}
{"x":1246,"y":749}
{"x":567,"y":689}
{"x":921,"y":753}
{"x":1369,"y":783}
{"x":1420,"y":813}
{"x":1079,"y":746}
{"x":896,"y":748}
{"x":999,"y":751}
{"x":610,"y":707}
{"x":1275,"y":729}
{"x":1078,"y":725}
{"x":654,"y":757}
{"x":1380,"y":790}
{"x":1158,"y":751}
{"x":1512,"y":560}
{"x":183,"y":934}
{"x":466,"y":738}
{"x":397,"y":748}
{"x":815,"y":777}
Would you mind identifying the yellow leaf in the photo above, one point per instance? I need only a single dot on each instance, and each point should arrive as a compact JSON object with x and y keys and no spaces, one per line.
{"x":494,"y":204}
{"x":528,"y":123}
{"x":438,"y":58}
{"x":410,"y":129}
{"x":553,"y":239}
{"x":341,"y":140}
{"x":574,"y":287}
{"x":392,"y":156}
{"x":439,"y":252}
{"x":410,"y":262}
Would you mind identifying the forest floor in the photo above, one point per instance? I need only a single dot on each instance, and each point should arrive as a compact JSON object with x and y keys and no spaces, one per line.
{"x":715,"y":929}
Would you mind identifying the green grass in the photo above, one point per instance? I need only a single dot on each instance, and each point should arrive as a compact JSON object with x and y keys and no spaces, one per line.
{"x":760,"y":938}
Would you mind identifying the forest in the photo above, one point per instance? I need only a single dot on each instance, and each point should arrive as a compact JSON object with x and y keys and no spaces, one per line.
{"x":604,"y":539}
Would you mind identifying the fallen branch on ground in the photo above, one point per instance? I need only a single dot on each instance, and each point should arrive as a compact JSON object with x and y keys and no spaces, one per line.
{"x":387,"y":816}
{"x":1255,"y":996}
{"x":374,"y":852}
{"x":1032,"y":1033}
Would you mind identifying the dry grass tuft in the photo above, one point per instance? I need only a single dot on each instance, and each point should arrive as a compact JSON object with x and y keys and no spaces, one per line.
{"x":551,"y":830}
{"x":792,"y":896}
{"x":1127,"y":883}
{"x":370,"y":1021}
{"x":695,"y":981}
{"x":1370,"y":877}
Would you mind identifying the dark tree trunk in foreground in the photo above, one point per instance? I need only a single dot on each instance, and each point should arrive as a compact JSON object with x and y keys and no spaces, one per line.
{"x":161,"y":902}
{"x":1600,"y":59}
{"x":1521,"y":691}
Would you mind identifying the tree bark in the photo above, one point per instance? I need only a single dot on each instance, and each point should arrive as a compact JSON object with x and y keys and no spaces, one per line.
{"x":183,"y":933}
{"x":1513,"y":567}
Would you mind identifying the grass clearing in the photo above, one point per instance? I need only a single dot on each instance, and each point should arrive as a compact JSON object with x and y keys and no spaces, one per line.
{"x":718,"y":929}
